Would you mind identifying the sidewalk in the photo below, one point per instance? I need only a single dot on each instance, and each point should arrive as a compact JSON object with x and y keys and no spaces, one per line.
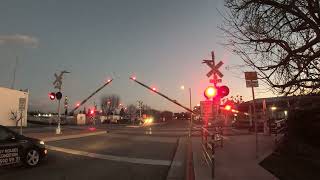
{"x":236,"y":160}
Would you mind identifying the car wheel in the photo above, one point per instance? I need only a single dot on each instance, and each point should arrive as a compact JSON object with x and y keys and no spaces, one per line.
{"x":32,"y":158}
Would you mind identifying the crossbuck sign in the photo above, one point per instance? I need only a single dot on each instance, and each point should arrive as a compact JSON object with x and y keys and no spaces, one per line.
{"x":58,"y":82}
{"x":214,"y":69}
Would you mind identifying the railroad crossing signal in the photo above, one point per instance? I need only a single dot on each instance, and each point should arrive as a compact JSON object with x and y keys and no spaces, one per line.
{"x":217,"y":75}
{"x":214,"y":68}
{"x":52,"y":95}
{"x":58,"y":82}
{"x":59,"y":95}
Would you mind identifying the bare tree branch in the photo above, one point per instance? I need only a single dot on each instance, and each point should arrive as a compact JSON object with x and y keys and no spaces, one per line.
{"x":278,"y":38}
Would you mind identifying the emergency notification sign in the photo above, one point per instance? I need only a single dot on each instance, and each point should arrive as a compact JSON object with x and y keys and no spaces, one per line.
{"x":9,"y":156}
{"x":206,"y":109}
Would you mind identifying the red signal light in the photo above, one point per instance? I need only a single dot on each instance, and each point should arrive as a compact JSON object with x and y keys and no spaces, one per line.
{"x":223,"y":91}
{"x":210,"y":92}
{"x":52,"y":95}
{"x":228,"y":107}
{"x":154,"y":89}
{"x":92,"y":128}
{"x":78,"y":104}
{"x":92,"y":112}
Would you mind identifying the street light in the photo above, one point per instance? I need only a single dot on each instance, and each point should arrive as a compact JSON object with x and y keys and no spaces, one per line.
{"x":285,"y":113}
{"x":273,"y":108}
{"x":190,"y":126}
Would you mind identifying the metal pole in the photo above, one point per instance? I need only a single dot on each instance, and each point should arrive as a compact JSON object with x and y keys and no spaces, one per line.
{"x":213,"y":159}
{"x":255,"y":119}
{"x":59,"y":119}
{"x":190,"y":126}
{"x":140,"y":109}
{"x":14,"y":73}
{"x":21,"y":119}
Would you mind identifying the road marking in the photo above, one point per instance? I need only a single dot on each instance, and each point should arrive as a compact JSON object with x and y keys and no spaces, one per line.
{"x":132,"y":126}
{"x":111,"y":157}
{"x":225,"y":137}
{"x":73,"y":136}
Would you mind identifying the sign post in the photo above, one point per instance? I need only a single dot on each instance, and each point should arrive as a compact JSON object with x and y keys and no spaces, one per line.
{"x":252,"y":81}
{"x":216,"y":78}
{"x":58,"y":85}
{"x":22,"y":107}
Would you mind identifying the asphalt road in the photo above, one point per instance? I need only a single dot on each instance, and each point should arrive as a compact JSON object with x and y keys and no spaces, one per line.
{"x":126,"y":152}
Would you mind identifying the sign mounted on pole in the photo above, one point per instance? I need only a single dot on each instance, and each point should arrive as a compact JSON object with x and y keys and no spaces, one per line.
{"x":22,"y":104}
{"x":251,"y":83}
{"x":251,"y":76}
{"x":58,"y":82}
{"x":214,"y":72}
{"x":206,"y":109}
{"x":214,"y":68}
{"x":251,"y":79}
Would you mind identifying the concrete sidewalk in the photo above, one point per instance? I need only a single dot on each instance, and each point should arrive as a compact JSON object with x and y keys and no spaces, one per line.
{"x":236,"y":160}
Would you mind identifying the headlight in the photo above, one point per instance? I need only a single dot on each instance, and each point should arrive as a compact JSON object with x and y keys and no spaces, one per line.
{"x":41,"y":142}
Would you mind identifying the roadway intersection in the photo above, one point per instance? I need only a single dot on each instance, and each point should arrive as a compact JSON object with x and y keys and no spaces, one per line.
{"x":126,"y":152}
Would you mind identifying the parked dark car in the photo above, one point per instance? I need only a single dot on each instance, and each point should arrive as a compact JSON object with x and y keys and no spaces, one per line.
{"x":19,"y":149}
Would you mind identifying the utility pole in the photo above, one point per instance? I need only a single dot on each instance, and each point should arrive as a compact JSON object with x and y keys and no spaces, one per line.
{"x":190,"y":126}
{"x":255,"y":120}
{"x":14,"y":73}
{"x":140,"y":103}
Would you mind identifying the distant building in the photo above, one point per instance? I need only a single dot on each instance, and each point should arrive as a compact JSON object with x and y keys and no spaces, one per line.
{"x":13,"y":104}
{"x":278,"y":107}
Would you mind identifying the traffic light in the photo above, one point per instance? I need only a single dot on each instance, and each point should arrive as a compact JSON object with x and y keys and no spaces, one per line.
{"x":52,"y":95}
{"x":214,"y":91}
{"x":227,"y":107}
{"x":58,"y":95}
{"x":92,"y":112}
{"x":210,"y":92}
{"x":154,"y":89}
{"x":223,"y":91}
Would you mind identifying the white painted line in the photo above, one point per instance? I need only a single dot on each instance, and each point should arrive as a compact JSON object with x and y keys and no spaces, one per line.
{"x":48,"y":139}
{"x":225,"y":137}
{"x":111,"y":157}
{"x":132,"y":126}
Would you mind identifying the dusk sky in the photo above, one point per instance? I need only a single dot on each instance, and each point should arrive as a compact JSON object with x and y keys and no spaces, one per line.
{"x":162,"y":42}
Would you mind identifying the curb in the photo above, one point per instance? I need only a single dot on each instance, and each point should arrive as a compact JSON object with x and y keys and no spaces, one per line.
{"x":73,"y":136}
{"x":176,"y":169}
{"x":190,"y":169}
